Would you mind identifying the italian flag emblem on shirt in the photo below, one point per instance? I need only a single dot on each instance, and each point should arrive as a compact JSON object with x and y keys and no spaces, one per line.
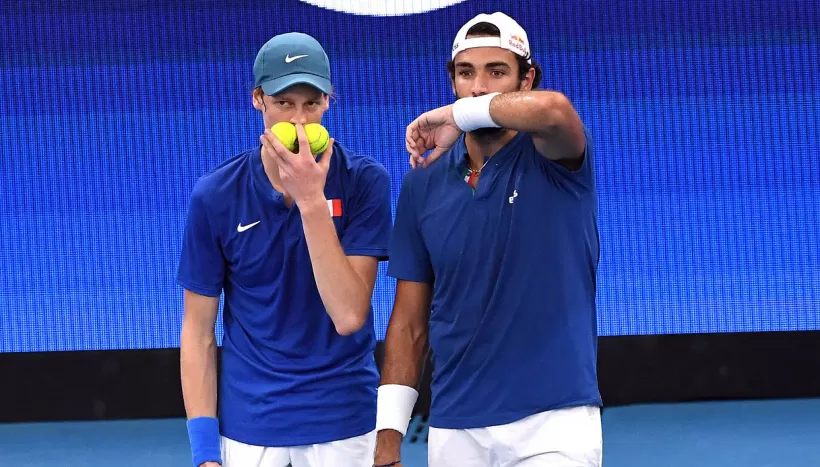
{"x":335,"y":207}
{"x":471,"y":177}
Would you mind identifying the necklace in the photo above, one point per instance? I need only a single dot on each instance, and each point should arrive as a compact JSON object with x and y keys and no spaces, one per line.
{"x":471,"y":177}
{"x":480,"y":169}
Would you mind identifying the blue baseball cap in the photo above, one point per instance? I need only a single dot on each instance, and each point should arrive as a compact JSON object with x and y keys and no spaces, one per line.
{"x":290,"y":59}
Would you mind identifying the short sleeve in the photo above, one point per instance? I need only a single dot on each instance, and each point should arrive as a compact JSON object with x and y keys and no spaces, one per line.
{"x":587,"y":169}
{"x":584,"y":176}
{"x":367,"y":231}
{"x":201,"y":265}
{"x":409,"y":258}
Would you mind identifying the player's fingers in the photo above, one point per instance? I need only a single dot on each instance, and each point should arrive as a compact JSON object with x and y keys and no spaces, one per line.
{"x":412,"y":148}
{"x":301,"y":136}
{"x":413,"y":161}
{"x":419,"y":160}
{"x":414,"y":153}
{"x":415,"y":142}
{"x":269,"y":135}
{"x":433,"y":156}
{"x":264,"y":148}
{"x":411,"y":139}
{"x":267,"y":147}
{"x":269,"y":140}
{"x":411,"y":145}
{"x":429,"y":141}
{"x":415,"y":138}
{"x":409,"y":142}
{"x":281,"y":154}
{"x":325,"y":160}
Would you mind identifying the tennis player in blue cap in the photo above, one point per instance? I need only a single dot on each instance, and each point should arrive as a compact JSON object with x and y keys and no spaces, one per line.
{"x":293,"y":242}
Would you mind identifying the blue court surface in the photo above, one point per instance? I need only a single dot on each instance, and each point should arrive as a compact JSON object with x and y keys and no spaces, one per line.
{"x":708,"y":434}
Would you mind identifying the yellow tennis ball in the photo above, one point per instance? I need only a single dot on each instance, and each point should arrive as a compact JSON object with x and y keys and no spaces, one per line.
{"x":286,"y":133}
{"x":318,"y":137}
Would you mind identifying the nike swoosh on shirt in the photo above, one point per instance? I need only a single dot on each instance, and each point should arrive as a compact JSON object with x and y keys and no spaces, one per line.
{"x":242,"y":228}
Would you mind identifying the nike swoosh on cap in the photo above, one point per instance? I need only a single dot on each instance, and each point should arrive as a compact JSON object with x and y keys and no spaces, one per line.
{"x":289,"y":59}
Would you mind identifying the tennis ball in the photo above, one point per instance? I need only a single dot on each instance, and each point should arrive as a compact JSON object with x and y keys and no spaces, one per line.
{"x":286,"y":133}
{"x":318,"y":137}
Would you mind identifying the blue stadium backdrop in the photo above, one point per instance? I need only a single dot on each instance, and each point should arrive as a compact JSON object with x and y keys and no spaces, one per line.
{"x":705,"y":116}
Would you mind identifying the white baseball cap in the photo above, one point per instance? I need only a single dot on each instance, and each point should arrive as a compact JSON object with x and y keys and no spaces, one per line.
{"x":512,"y":38}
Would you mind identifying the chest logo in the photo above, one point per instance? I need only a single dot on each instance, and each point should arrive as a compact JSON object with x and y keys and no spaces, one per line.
{"x":512,"y":198}
{"x":241,"y":228}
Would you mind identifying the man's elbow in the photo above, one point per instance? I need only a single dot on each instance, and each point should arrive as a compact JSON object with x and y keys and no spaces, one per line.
{"x":555,"y":111}
{"x":349,"y":327}
{"x":353,"y":322}
{"x":561,"y":123}
{"x":197,"y":341}
{"x":197,"y":332}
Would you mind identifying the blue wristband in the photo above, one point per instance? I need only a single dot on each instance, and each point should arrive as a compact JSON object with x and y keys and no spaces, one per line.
{"x":203,"y":433}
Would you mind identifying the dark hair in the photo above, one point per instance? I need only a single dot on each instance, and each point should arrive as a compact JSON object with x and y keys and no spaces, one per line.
{"x":490,"y":30}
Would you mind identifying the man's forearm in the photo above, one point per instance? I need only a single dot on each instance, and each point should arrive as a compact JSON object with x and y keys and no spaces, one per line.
{"x":403,"y":354}
{"x":343,"y":291}
{"x":198,"y":375}
{"x":532,"y":111}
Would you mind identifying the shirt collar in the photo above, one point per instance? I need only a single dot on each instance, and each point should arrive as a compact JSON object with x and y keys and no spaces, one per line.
{"x":262,"y":185}
{"x":259,"y":179}
{"x":459,"y":156}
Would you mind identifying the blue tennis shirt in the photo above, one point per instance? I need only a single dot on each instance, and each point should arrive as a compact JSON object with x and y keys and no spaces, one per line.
{"x":513,"y":325}
{"x":288,"y":378}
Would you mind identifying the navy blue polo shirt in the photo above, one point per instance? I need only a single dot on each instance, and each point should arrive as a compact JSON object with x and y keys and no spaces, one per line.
{"x":513,"y":325}
{"x":288,"y":378}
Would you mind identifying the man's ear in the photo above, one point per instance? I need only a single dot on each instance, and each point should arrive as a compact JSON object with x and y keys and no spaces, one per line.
{"x":529,"y":78}
{"x":257,"y":99}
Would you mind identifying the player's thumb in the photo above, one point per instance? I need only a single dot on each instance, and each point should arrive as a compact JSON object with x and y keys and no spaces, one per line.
{"x":325,"y":160}
{"x":433,"y":156}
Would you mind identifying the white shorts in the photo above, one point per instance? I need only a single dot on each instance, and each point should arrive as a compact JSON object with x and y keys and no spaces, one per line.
{"x":351,"y":452}
{"x":558,"y":438}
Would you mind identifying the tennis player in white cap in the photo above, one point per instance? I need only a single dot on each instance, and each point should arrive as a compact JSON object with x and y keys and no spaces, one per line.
{"x":495,"y":250}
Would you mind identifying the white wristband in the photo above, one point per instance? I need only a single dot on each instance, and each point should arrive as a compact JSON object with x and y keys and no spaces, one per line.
{"x":394,"y":407}
{"x":472,"y":113}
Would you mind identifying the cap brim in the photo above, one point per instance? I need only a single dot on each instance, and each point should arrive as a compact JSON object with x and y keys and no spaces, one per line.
{"x":275,"y":86}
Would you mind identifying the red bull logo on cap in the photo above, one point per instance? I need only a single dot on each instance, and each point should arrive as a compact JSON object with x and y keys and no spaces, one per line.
{"x":517,"y":42}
